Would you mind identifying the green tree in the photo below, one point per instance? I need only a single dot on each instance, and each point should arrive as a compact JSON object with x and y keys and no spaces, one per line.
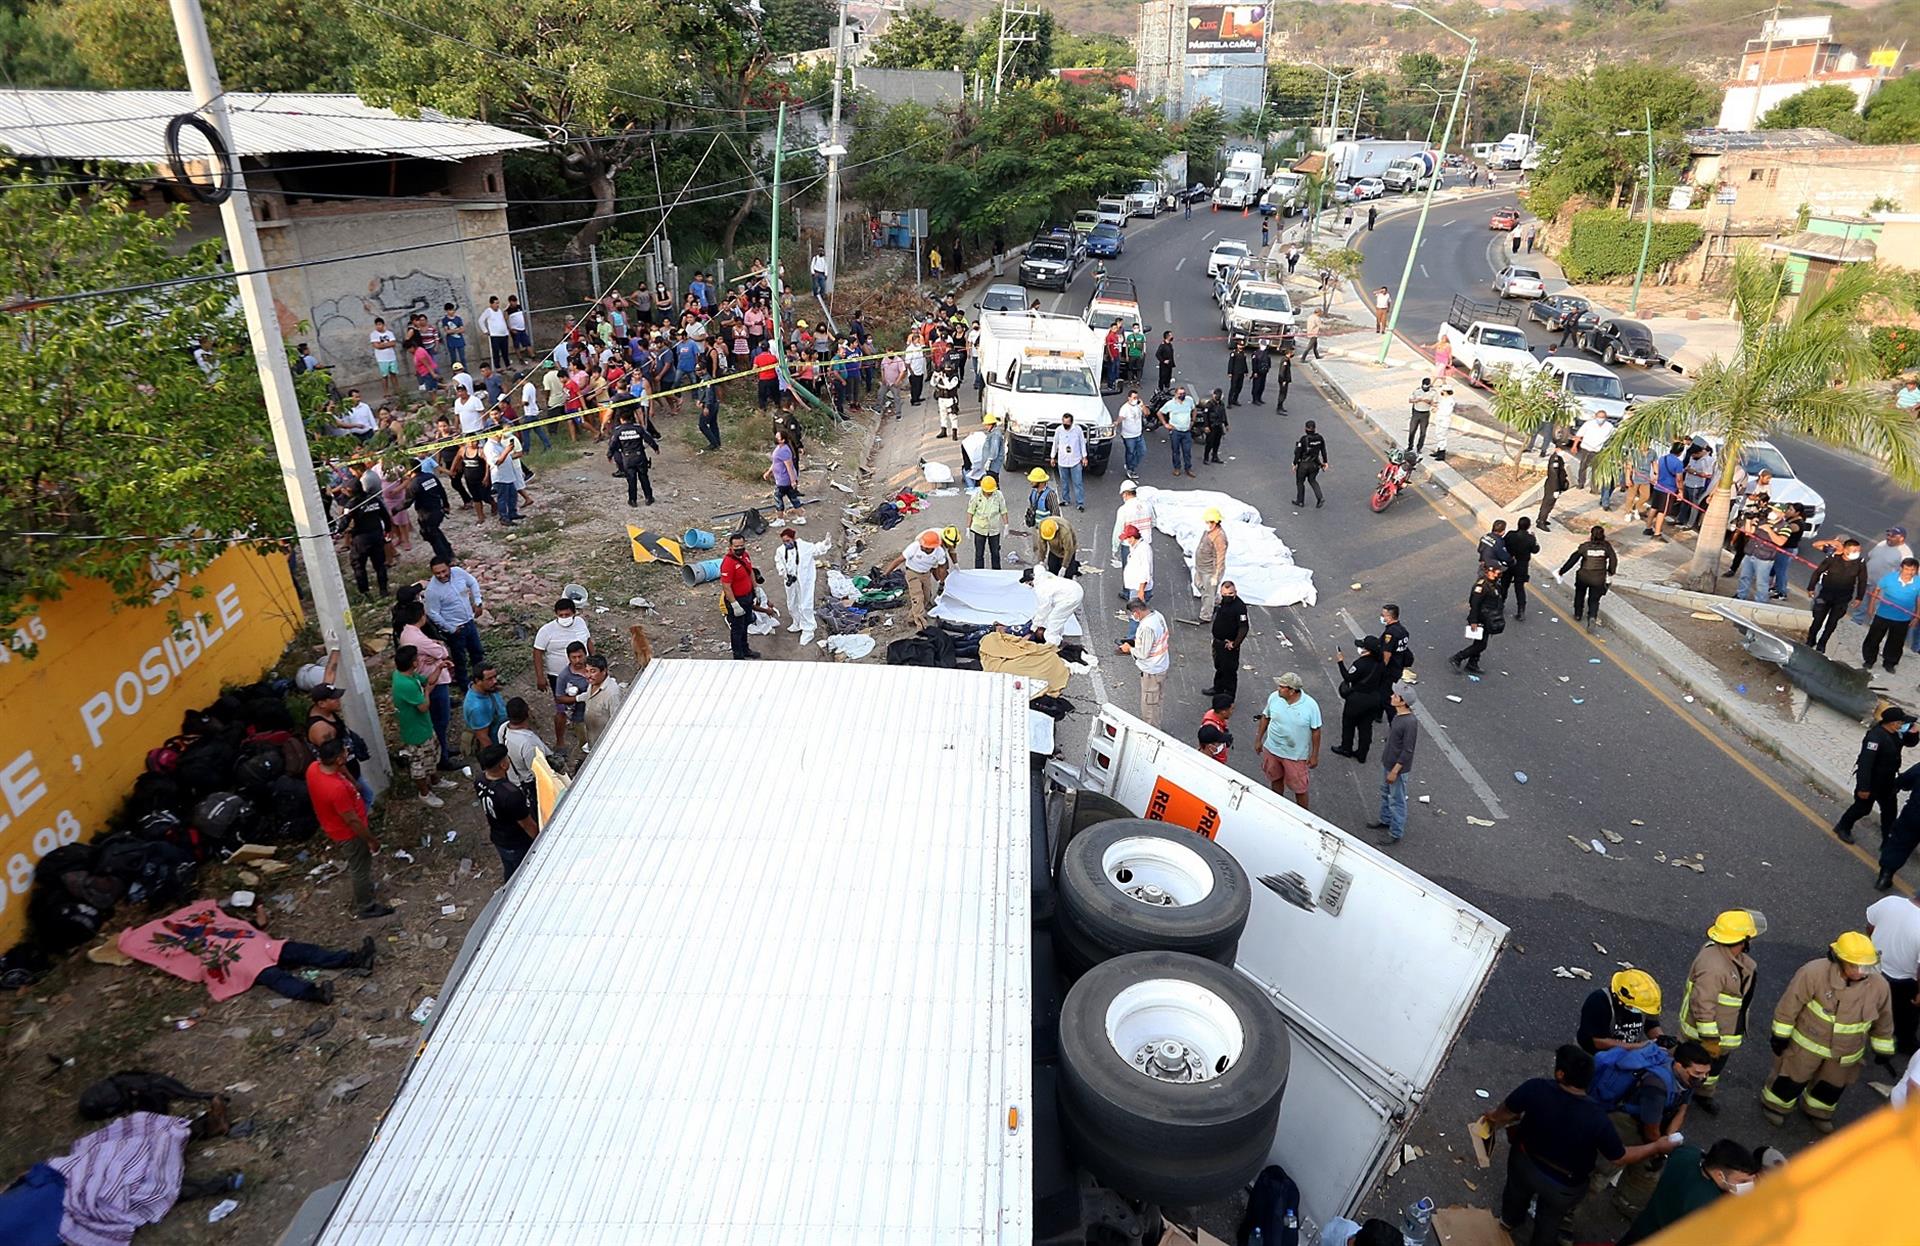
{"x":1593,"y":128}
{"x":1203,"y":133}
{"x":919,"y":38}
{"x":1026,"y":60}
{"x":34,"y":52}
{"x":261,"y":45}
{"x":1526,"y":403}
{"x":1296,"y":94}
{"x":1420,"y":69}
{"x":108,"y":428}
{"x":1893,"y":114}
{"x":1828,"y":107}
{"x":798,"y":25}
{"x":1807,"y":373}
{"x":1075,"y":51}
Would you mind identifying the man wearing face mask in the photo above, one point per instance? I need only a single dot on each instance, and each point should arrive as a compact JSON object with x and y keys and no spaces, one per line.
{"x":1834,"y":1011}
{"x":1690,"y":1181}
{"x":1837,"y":583}
{"x":1396,"y":646}
{"x":794,"y":563}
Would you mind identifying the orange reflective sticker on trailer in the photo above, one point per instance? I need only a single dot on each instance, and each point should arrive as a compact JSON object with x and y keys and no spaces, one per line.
{"x":1175,"y":804}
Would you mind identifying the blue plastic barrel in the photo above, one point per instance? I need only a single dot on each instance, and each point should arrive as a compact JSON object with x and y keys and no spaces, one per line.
{"x":697,"y":538}
{"x":701,"y":572}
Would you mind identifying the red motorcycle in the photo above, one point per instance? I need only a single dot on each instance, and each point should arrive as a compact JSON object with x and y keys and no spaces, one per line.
{"x":1395,"y":476}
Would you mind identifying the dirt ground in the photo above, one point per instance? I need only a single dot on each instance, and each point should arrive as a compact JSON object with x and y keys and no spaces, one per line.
{"x":1718,"y":642}
{"x":308,"y":1083}
{"x":1500,"y":481}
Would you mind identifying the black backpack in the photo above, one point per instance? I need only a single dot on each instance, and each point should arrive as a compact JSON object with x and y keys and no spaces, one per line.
{"x":255,"y":772}
{"x":1273,"y":1209}
{"x":288,"y":811}
{"x":206,"y":766}
{"x":153,"y":871}
{"x":153,"y":792}
{"x":134,"y":1091}
{"x":224,"y":816}
{"x":61,"y":923}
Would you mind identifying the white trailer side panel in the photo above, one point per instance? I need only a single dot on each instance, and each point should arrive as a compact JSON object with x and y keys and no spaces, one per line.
{"x":763,"y":979}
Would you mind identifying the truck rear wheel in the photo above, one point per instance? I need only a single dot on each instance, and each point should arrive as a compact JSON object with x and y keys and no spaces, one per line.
{"x":1170,"y":1055}
{"x":1080,"y":810}
{"x":1134,"y":885}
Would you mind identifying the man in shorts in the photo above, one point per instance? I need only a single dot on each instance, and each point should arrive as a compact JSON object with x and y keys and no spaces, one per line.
{"x":386,"y":355}
{"x":1289,"y":734}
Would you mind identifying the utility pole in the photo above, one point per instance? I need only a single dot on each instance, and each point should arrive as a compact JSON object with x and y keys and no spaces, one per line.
{"x":1011,"y":11}
{"x":330,"y":606}
{"x":1526,"y":99}
{"x":1646,"y":236}
{"x":834,"y":147}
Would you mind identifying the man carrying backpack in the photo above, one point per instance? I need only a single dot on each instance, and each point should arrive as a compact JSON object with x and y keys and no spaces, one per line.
{"x":1645,"y":1091}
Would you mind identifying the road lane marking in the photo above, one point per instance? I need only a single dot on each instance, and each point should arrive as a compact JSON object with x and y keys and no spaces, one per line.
{"x":1166,"y":313}
{"x":1208,"y":235}
{"x":1182,"y":264}
{"x":1367,"y":435}
{"x":1425,"y":273}
{"x":1435,"y":732}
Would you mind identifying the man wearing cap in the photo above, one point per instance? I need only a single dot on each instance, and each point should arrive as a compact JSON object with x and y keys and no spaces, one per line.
{"x":1713,"y":1009}
{"x":1883,"y":560}
{"x":1229,"y":628}
{"x":1059,"y":546}
{"x":342,"y":813}
{"x":1834,"y":1011}
{"x":1396,"y":763}
{"x":794,"y":562}
{"x":1876,"y":772}
{"x":428,"y":497}
{"x":1289,"y":729}
{"x":1151,"y":656}
{"x":925,"y":561}
{"x":1309,"y":460}
{"x":1209,"y":562}
{"x":987,"y":520}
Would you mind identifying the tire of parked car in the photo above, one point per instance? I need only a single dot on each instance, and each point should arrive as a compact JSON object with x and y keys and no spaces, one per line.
{"x":1134,"y":885}
{"x":1173,"y":1069}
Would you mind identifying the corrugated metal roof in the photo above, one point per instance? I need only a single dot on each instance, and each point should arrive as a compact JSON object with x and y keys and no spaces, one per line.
{"x":1818,"y":246}
{"x":764,"y":978}
{"x":1805,"y":137}
{"x":129,"y":127}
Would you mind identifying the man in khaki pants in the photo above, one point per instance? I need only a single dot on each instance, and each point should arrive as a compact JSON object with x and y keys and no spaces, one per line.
{"x":1149,"y":648}
{"x":925,"y":560}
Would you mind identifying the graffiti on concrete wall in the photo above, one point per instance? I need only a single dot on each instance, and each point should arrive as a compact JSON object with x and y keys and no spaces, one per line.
{"x":342,"y":324}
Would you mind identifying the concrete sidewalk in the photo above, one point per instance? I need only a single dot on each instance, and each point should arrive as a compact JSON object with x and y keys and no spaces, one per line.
{"x":1816,"y":743}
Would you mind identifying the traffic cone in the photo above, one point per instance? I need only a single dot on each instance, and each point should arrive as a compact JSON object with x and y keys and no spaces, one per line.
{"x":1243,"y":211}
{"x":1216,"y":207}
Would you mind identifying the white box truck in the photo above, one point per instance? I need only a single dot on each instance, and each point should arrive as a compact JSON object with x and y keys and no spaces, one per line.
{"x":1354,"y":159}
{"x":819,"y":997}
{"x":1040,"y":366}
{"x":1242,"y":181}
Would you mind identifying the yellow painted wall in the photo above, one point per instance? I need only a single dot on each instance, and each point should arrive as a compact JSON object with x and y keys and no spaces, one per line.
{"x":105,"y":685}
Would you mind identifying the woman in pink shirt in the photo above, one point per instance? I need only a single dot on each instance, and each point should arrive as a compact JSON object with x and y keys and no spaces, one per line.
{"x":413,"y":618}
{"x":426,"y":368}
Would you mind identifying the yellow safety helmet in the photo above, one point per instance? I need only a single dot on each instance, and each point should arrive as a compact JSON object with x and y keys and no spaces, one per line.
{"x":988,"y":484}
{"x":1637,"y":990}
{"x":1036,"y":476}
{"x":1855,"y":949}
{"x":1735,"y":926}
{"x":950,"y":535}
{"x":1213,"y":515}
{"x":989,"y":418}
{"x":1048,"y":527}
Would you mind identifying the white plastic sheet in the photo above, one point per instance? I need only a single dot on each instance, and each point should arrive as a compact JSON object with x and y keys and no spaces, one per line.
{"x":1258,"y":561}
{"x":988,"y":597}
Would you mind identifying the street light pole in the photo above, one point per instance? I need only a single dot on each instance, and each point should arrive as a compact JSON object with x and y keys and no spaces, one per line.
{"x":1646,"y":237}
{"x":833,"y":160}
{"x":331,"y":609}
{"x":1426,"y":202}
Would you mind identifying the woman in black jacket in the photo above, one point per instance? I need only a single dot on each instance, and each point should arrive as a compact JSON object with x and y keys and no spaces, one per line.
{"x":1486,"y":616}
{"x":1364,"y":689}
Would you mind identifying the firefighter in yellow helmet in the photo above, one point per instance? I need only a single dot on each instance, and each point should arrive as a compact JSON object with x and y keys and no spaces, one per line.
{"x":1625,"y":1013}
{"x":1713,"y":1010}
{"x":1835,"y":1010}
{"x":1060,"y":546}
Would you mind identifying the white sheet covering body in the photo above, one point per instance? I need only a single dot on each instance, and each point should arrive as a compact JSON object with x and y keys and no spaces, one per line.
{"x":1258,"y":561}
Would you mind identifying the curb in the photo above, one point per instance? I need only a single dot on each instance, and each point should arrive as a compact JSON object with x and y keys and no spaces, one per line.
{"x":1764,"y":613}
{"x":1634,"y":629}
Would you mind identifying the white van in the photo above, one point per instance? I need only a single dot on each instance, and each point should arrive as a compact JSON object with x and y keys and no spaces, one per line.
{"x":1040,"y":366}
{"x":1591,"y":387}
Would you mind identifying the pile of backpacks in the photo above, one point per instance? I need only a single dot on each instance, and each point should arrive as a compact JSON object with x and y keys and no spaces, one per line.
{"x":235,"y":774}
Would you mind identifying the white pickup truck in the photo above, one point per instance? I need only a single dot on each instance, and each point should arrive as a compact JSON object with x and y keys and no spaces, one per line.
{"x":1039,"y":366}
{"x":1486,"y":340}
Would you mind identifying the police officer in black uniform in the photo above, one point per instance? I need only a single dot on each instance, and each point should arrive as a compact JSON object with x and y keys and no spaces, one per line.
{"x":429,"y":500}
{"x":1259,"y":365}
{"x":1210,"y":426}
{"x":1236,"y":373}
{"x":627,"y":447}
{"x":1876,"y":773}
{"x":1309,"y":460}
{"x":1282,"y":377}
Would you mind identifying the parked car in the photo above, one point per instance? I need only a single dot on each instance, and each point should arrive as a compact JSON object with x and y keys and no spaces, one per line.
{"x":1084,"y":220}
{"x":1049,"y":261}
{"x":1513,"y":282}
{"x":1763,"y":455}
{"x":1590,"y":387}
{"x":1199,"y":192}
{"x":1369,"y":188}
{"x":1106,"y":241}
{"x":1227,"y":253}
{"x":1002,"y":297}
{"x":1503,"y":218}
{"x":1111,"y":212}
{"x":1552,"y":310}
{"x":1620,"y":341}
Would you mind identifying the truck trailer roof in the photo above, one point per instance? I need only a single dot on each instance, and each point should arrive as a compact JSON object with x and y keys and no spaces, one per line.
{"x":764,"y":977}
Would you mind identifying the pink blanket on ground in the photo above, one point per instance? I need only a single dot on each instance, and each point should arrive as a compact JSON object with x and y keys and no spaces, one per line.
{"x":202,"y":944}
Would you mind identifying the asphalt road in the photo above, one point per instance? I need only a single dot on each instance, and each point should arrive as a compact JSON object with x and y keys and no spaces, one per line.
{"x":1601,"y":745}
{"x":1459,"y":254}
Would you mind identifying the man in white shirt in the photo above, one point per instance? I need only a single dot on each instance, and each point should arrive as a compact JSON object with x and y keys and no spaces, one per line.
{"x":386,"y":357}
{"x":1069,"y":454}
{"x":1893,"y":923}
{"x":819,"y":268}
{"x":1136,"y":578}
{"x":1591,"y":438}
{"x":925,"y":560}
{"x":1151,"y":656}
{"x":550,"y":643}
{"x":493,"y":323}
{"x":1177,"y":415}
{"x":358,"y":421}
{"x":1133,"y":513}
{"x":472,"y":410}
{"x":502,"y":451}
{"x":1131,"y":425}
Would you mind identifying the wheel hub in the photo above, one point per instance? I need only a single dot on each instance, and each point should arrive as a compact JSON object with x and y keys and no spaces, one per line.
{"x":1168,"y":1060}
{"x":1146,"y":893}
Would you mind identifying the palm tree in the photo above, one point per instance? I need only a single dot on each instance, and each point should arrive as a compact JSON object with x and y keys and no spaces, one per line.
{"x":1803,"y":374}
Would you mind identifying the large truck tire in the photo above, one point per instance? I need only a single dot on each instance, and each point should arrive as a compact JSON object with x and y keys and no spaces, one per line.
{"x":1134,"y":885}
{"x":1165,"y":1054}
{"x":1079,"y":810}
{"x":1160,"y":1178}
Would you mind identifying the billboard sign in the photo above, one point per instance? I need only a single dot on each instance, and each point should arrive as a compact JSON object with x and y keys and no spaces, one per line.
{"x":1216,"y":29}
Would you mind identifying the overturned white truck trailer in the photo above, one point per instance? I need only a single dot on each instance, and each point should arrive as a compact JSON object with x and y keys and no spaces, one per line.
{"x":782,"y":968}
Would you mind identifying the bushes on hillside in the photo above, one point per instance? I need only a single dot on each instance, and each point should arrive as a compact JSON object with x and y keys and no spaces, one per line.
{"x":1605,"y":244}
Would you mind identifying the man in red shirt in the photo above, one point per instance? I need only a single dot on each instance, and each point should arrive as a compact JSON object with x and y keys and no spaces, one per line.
{"x":343,"y":816}
{"x":766,"y":368}
{"x":737,"y":578}
{"x":1216,"y":738}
